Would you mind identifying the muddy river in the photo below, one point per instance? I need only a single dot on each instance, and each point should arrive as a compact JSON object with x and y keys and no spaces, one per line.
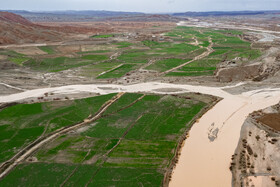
{"x":206,"y":154}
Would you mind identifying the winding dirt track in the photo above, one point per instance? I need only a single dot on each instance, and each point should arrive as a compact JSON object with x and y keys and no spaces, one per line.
{"x":13,"y":87}
{"x":6,"y":167}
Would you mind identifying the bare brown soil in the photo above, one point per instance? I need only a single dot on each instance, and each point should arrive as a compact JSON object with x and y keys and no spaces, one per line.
{"x":29,"y":51}
{"x":240,"y":73}
{"x":10,"y":17}
{"x":103,"y":27}
{"x":271,"y":120}
{"x":24,"y":31}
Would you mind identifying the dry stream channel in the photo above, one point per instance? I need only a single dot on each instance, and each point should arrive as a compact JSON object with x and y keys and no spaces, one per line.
{"x":206,"y":154}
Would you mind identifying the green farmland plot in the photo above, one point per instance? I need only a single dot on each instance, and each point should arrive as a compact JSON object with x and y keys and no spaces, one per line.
{"x":15,"y":57}
{"x":134,"y":56}
{"x":44,"y":174}
{"x":170,"y":48}
{"x":167,"y":64}
{"x":97,"y":51}
{"x":95,"y":58}
{"x":190,"y":73}
{"x":227,"y":46}
{"x":94,"y":70}
{"x":132,"y":144}
{"x":23,"y":123}
{"x":205,"y":43}
{"x":180,"y":46}
{"x":123,"y":44}
{"x":19,"y":60}
{"x":118,"y":176}
{"x":103,"y":36}
{"x":118,"y":72}
{"x":64,"y":63}
{"x":47,"y":49}
{"x":203,"y":67}
{"x":232,"y":32}
{"x":178,"y":49}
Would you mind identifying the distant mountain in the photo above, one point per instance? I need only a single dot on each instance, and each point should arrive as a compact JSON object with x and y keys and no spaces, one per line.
{"x":14,"y":18}
{"x":225,"y":13}
{"x":71,"y":15}
{"x":97,"y":13}
{"x":147,"y":18}
{"x":102,"y":15}
{"x":91,"y":16}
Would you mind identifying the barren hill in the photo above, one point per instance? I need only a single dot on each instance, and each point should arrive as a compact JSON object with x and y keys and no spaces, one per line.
{"x":15,"y":29}
{"x":10,"y":17}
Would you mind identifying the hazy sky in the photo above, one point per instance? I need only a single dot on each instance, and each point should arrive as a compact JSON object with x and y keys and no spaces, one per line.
{"x":141,"y":5}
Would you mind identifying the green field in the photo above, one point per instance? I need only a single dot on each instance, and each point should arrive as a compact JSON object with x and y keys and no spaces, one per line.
{"x":103,"y":36}
{"x":170,"y":48}
{"x":94,"y":70}
{"x":123,"y":44}
{"x":64,"y":63}
{"x":97,"y":51}
{"x":203,"y":67}
{"x":23,"y":123}
{"x":44,"y":174}
{"x":47,"y":49}
{"x":190,"y":73}
{"x":227,"y":46}
{"x":15,"y":57}
{"x":95,"y":58}
{"x":132,"y":144}
{"x":19,"y":60}
{"x":167,"y":64}
{"x":118,"y":72}
{"x":134,"y":56}
{"x":180,"y":47}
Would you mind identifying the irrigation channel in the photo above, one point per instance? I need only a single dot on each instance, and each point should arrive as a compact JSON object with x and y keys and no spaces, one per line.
{"x":206,"y":154}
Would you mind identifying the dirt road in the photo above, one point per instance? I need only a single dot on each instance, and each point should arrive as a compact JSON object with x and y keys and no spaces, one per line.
{"x":13,"y":87}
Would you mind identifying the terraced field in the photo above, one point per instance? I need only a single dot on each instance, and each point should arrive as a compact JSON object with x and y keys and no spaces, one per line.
{"x":133,"y":143}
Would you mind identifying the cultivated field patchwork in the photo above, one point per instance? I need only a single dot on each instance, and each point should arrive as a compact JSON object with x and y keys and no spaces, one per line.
{"x":133,"y":142}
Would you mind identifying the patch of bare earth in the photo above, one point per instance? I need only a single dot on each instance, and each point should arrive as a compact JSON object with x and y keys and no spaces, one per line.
{"x":271,"y":120}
